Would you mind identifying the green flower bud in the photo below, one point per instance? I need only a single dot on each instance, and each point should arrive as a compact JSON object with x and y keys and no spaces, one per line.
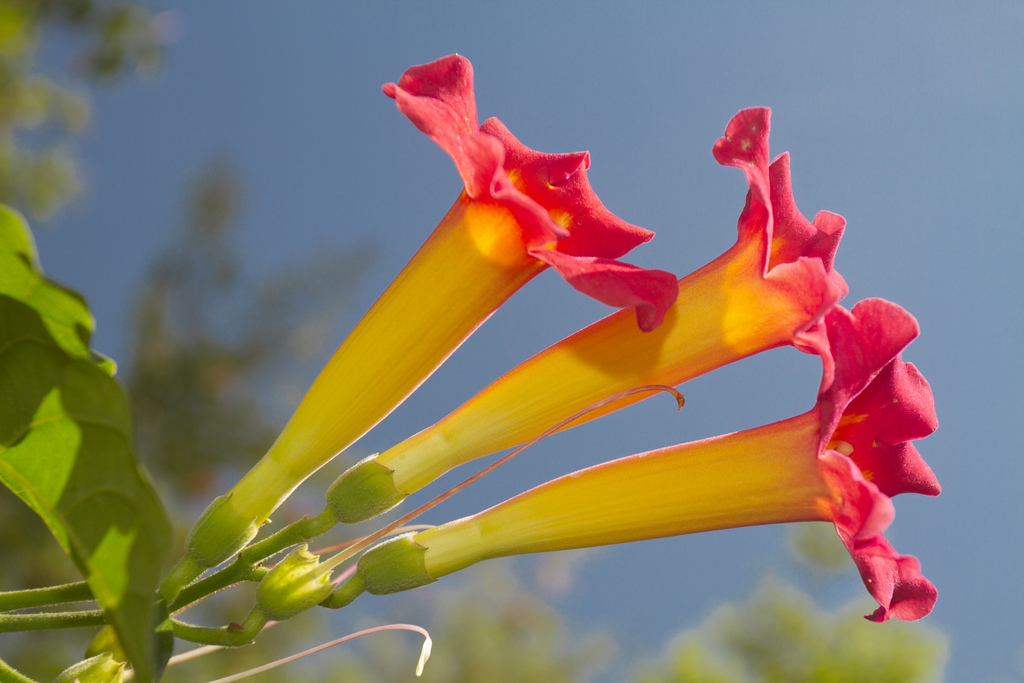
{"x":294,"y":585}
{"x":219,"y":533}
{"x":393,"y":566}
{"x":99,"y":669}
{"x":364,"y":491}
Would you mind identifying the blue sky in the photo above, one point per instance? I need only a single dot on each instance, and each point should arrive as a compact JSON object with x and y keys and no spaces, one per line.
{"x":903,"y":117}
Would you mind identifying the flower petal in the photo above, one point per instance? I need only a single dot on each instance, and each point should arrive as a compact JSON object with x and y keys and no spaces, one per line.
{"x":488,"y":156}
{"x":745,"y":146}
{"x":879,"y":424}
{"x":859,"y":509}
{"x":438,"y":99}
{"x":894,"y":580}
{"x":793,"y":235}
{"x":617,"y":284}
{"x":871,"y":410}
{"x":559,"y":183}
{"x":863,"y":342}
{"x":861,"y":513}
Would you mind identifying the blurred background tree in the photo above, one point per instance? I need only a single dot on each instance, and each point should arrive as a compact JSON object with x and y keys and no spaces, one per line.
{"x":39,"y":114}
{"x":779,"y":635}
{"x":211,"y":375}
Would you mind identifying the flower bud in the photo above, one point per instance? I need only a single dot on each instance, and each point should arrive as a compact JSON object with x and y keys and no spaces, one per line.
{"x":293,"y":586}
{"x":219,"y":533}
{"x":99,"y":669}
{"x":364,"y":491}
{"x":393,"y":566}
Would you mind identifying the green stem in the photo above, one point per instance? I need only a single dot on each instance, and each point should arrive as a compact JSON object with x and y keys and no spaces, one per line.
{"x":236,"y":572}
{"x":244,"y":569}
{"x":38,"y":597}
{"x":50,"y":620}
{"x":9,"y":675}
{"x":345,"y":593}
{"x":294,"y":533}
{"x":224,"y":636}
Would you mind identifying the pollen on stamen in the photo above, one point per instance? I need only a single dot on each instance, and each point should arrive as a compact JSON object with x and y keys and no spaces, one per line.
{"x":843,"y":447}
{"x":745,"y":145}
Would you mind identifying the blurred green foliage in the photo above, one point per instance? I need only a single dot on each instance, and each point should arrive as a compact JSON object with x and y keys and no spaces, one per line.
{"x":39,"y":115}
{"x":492,"y":630}
{"x":817,"y":546}
{"x":778,"y":635}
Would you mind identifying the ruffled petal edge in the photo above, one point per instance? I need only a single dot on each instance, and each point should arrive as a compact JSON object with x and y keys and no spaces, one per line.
{"x":651,"y":292}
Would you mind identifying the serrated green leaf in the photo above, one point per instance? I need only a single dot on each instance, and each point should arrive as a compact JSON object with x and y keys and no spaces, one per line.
{"x":66,"y":446}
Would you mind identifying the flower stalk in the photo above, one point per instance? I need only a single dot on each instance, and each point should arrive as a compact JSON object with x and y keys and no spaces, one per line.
{"x":43,"y":621}
{"x":51,"y":595}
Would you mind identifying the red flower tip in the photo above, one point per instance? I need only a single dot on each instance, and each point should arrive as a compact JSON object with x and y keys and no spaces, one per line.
{"x":793,"y":235}
{"x":862,"y":342}
{"x":861,"y":512}
{"x":564,"y":223}
{"x":770,"y":212}
{"x":894,"y":580}
{"x":550,"y":192}
{"x":488,"y":156}
{"x":876,"y":403}
{"x":438,"y":99}
{"x":745,"y":146}
{"x":559,"y":183}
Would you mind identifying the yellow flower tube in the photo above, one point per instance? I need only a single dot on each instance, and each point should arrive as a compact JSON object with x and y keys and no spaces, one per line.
{"x":770,"y":289}
{"x":743,"y":479}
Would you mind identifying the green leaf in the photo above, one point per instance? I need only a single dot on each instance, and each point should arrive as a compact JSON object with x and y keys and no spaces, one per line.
{"x":63,"y":310}
{"x":66,"y":445}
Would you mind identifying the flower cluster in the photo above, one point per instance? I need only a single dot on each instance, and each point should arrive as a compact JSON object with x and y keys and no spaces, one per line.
{"x":521,"y":211}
